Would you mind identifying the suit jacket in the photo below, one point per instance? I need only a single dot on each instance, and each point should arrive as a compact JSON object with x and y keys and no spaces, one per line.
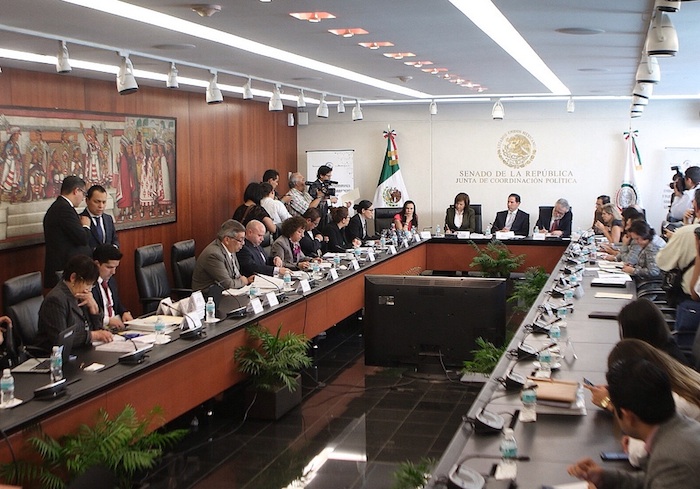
{"x":672,"y":462}
{"x":213,"y":265}
{"x":311,"y":246}
{"x":354,"y":229}
{"x":117,"y":305}
{"x":468,"y":220}
{"x":337,"y":242}
{"x":564,"y":223}
{"x":64,"y":237}
{"x":252,"y":262}
{"x":521,"y":223}
{"x":282,"y":247}
{"x":110,"y":230}
{"x":60,"y":311}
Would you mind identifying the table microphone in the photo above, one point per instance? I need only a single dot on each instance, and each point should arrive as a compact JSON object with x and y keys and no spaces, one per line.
{"x":137,"y":356}
{"x":238,"y":312}
{"x":280,"y":291}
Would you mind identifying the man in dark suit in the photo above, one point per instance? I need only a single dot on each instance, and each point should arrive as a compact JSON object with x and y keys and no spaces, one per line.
{"x":252,"y":258}
{"x":556,"y":221}
{"x":102,"y":229}
{"x":105,"y":291}
{"x":512,"y":219}
{"x":65,"y":233}
{"x":642,"y":400}
{"x":218,"y":264}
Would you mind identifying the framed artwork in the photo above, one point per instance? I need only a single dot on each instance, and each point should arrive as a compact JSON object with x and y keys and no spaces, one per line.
{"x":132,"y":156}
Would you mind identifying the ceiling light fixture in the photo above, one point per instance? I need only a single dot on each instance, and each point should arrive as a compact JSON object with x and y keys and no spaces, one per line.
{"x":399,"y":55}
{"x":205,"y":9}
{"x":313,"y":17}
{"x":172,"y":77}
{"x":643,"y":90}
{"x":300,"y":100}
{"x":667,"y":5}
{"x":570,"y":106}
{"x":433,"y":107}
{"x":247,"y":90}
{"x":648,"y":70}
{"x":662,"y":40}
{"x":357,"y":112}
{"x":341,"y":106}
{"x":275,"y":104}
{"x":348,"y":32}
{"x":498,"y":112}
{"x":62,"y":61}
{"x":637,"y":100}
{"x":322,"y":110}
{"x":126,"y":83}
{"x":375,"y":45}
{"x":214,"y":95}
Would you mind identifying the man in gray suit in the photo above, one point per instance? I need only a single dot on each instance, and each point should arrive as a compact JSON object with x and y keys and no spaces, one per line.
{"x":641,"y":395}
{"x":218,"y":264}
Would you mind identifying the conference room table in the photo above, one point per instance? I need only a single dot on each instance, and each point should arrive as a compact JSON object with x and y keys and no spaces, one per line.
{"x":182,"y":374}
{"x":561,"y":437}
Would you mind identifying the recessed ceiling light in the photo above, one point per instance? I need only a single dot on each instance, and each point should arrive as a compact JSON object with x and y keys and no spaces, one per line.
{"x":348,"y":32}
{"x":580,"y":31}
{"x":375,"y":45}
{"x":174,"y":47}
{"x":312,"y":16}
{"x":206,"y":9}
{"x":418,"y":64}
{"x":399,"y":55}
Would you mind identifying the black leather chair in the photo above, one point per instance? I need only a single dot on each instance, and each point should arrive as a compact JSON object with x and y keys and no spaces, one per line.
{"x":383,"y":217}
{"x":183,"y":261}
{"x":477,"y":217}
{"x":151,"y":276}
{"x":21,"y":300}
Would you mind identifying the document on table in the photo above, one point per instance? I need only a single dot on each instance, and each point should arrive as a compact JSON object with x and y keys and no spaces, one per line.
{"x":120,"y":344}
{"x":613,"y":295}
{"x":147,"y":324}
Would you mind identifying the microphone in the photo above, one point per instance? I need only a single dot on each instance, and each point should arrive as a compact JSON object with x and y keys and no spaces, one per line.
{"x":279,"y":290}
{"x":137,"y":356}
{"x":239,"y":311}
{"x":513,"y":381}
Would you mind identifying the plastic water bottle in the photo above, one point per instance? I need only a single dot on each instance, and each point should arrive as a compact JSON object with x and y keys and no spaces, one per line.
{"x":382,"y":241}
{"x":287,"y":278}
{"x":210,"y":311}
{"x":487,"y":233}
{"x":509,"y":448}
{"x":336,"y":260}
{"x":7,"y":388}
{"x":56,"y":364}
{"x":438,"y":230}
{"x":159,"y":329}
{"x":253,"y":291}
{"x":545,"y":359}
{"x":528,"y":414}
{"x":554,"y":332}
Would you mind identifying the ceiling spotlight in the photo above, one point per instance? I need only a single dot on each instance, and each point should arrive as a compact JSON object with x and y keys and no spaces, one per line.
{"x":498,"y":112}
{"x":570,"y":106}
{"x":648,"y":70}
{"x":405,"y":78}
{"x":322,"y":110}
{"x":300,"y":101}
{"x":205,"y":10}
{"x":214,"y":95}
{"x":62,"y":61}
{"x":275,"y":104}
{"x":357,"y":112}
{"x":172,"y":77}
{"x":247,"y":90}
{"x":341,"y":106}
{"x":663,"y":38}
{"x":667,"y":5}
{"x":433,"y":107}
{"x":643,"y":90}
{"x":637,"y":100}
{"x":126,"y":83}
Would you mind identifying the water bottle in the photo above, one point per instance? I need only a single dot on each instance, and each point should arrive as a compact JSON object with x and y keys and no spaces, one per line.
{"x":545,"y":359}
{"x":287,"y":278}
{"x":382,"y":241}
{"x":210,"y":311}
{"x":528,"y":414}
{"x":315,"y":270}
{"x":56,"y":364}
{"x":253,"y":291}
{"x":7,"y":388}
{"x":336,"y":260}
{"x":487,"y":233}
{"x":160,"y":331}
{"x":438,"y":230}
{"x":554,"y":332}
{"x":509,"y":448}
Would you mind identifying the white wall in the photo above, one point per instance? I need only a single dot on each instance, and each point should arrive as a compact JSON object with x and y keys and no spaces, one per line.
{"x":589,"y":143}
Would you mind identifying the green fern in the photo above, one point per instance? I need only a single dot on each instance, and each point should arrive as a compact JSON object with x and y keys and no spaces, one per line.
{"x":413,"y":476}
{"x":525,"y":291}
{"x":495,"y":260}
{"x":486,"y":356}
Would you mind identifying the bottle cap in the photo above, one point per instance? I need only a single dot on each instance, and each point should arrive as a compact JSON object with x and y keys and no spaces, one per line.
{"x":508,"y":431}
{"x":6,"y":372}
{"x":54,"y":349}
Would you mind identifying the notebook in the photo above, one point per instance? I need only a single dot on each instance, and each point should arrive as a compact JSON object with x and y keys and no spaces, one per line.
{"x":43,"y":365}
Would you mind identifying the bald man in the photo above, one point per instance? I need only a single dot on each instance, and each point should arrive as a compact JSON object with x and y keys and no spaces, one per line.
{"x":252,"y":258}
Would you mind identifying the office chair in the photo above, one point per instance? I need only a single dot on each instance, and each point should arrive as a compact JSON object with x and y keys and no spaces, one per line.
{"x":383,"y":217}
{"x":151,"y":276}
{"x":477,"y":218}
{"x":21,"y":300}
{"x":183,"y":261}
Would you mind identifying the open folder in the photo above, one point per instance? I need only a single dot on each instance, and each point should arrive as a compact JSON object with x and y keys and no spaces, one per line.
{"x":559,"y":393}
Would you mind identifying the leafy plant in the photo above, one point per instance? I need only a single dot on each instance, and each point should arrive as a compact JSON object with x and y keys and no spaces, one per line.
{"x":123,"y":445}
{"x":273,"y":359}
{"x":525,"y":291}
{"x":413,"y":476}
{"x":486,"y":357}
{"x":495,"y":260}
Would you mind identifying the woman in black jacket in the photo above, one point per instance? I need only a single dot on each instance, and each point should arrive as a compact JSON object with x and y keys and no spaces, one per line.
{"x":357,"y":227}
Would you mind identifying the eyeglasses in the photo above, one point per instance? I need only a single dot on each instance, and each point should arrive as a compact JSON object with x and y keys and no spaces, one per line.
{"x":240,"y":240}
{"x":81,"y":190}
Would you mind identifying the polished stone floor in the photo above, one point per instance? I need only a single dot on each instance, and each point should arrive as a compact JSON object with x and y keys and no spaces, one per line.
{"x":355,"y":425}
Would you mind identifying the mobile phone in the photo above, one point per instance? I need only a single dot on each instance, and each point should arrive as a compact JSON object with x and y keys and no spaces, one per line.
{"x":588,"y":382}
{"x":613,"y":456}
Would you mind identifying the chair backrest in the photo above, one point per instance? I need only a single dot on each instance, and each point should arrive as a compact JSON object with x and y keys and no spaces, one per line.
{"x":22,"y":299}
{"x":183,"y":261}
{"x":151,"y":275}
{"x":383,"y":217}
{"x":477,"y":217}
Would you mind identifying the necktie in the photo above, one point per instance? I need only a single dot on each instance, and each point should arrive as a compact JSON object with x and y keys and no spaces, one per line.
{"x":110,"y":309}
{"x":234,"y":267}
{"x":509,"y":220}
{"x":98,"y":227}
{"x":555,"y":225}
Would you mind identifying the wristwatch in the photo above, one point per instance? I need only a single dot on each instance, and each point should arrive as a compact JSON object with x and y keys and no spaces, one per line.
{"x":605,"y":402}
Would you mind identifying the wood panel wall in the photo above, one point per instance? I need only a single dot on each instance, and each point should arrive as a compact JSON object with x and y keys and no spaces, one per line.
{"x":220,"y":149}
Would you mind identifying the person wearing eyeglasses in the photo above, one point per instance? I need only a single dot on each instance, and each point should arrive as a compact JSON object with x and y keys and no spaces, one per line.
{"x":357,"y":227}
{"x":66,"y":234}
{"x":218,"y":264}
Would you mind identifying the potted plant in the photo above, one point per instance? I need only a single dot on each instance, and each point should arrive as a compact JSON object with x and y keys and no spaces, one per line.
{"x":273,"y":362}
{"x":495,"y":260}
{"x":413,"y":476}
{"x":123,"y":445}
{"x":486,"y":356}
{"x":526,"y":290}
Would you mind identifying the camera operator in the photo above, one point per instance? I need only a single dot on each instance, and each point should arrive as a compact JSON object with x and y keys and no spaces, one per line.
{"x":322,"y":188}
{"x":682,"y":201}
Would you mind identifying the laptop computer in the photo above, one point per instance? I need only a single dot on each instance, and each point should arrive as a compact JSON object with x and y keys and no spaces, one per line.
{"x":43,"y":365}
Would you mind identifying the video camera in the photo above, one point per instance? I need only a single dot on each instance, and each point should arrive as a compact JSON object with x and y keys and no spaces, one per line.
{"x":325,"y":187}
{"x":678,"y":180}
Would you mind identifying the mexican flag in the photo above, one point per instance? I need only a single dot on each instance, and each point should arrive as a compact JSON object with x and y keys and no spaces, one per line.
{"x":628,"y":194}
{"x":391,"y":191}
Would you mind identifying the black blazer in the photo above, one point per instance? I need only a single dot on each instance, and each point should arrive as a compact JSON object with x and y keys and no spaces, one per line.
{"x":311,"y":246}
{"x":521,"y":223}
{"x":468,"y":220}
{"x":116,"y":302}
{"x":251,"y":261}
{"x":337,"y":242}
{"x":64,"y":237}
{"x":354,"y":229}
{"x":564,"y":223}
{"x":110,"y":231}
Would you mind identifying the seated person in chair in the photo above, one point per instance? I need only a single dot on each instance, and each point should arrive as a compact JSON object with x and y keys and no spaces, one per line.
{"x":556,"y":221}
{"x":357,"y":227}
{"x":459,"y":216}
{"x":251,"y":256}
{"x":218,"y":264}
{"x":106,"y":294}
{"x":71,"y":303}
{"x":512,"y":219}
